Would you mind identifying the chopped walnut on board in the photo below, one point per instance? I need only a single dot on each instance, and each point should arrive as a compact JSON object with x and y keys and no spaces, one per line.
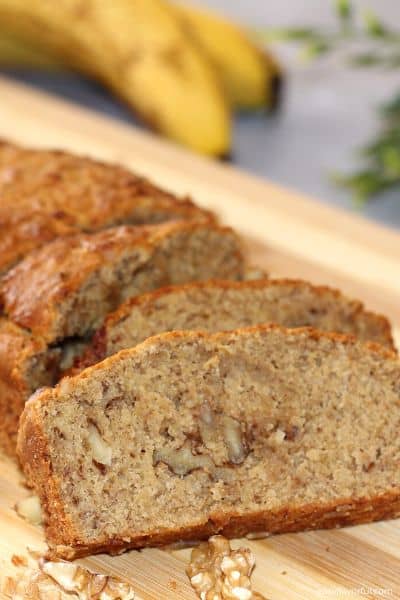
{"x":217,"y":572}
{"x":61,"y":580}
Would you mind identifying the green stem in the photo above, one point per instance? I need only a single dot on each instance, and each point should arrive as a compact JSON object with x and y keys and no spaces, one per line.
{"x":382,"y":154}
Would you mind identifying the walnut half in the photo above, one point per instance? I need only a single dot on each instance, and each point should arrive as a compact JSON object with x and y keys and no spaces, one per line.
{"x":232,"y":433}
{"x":181,"y":460}
{"x":222,"y":440}
{"x":217,"y":572}
{"x":60,"y":580}
{"x":214,"y":427}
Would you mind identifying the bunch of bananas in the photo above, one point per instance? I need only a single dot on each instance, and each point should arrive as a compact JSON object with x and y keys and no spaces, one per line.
{"x":182,"y":70}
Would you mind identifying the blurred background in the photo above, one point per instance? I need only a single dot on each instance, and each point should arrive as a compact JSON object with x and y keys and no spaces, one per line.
{"x":328,"y":108}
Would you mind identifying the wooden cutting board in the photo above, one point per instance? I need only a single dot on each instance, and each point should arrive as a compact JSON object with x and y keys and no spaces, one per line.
{"x":291,"y":236}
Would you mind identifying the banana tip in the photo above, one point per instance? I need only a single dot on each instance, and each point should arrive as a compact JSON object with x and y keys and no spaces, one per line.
{"x":276,"y":91}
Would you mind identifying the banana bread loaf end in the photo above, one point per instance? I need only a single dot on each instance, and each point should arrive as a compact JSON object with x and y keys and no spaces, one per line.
{"x":47,"y":194}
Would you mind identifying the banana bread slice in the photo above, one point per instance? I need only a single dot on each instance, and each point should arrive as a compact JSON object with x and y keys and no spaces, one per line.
{"x":225,"y":305}
{"x":58,"y":295}
{"x":189,"y":434}
{"x":47,"y":194}
{"x":67,"y":287}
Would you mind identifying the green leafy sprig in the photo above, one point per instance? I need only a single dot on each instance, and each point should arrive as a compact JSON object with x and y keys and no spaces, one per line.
{"x":382,"y":154}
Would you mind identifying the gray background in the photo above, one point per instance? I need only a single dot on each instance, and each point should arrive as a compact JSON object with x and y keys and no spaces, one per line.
{"x":328,"y":108}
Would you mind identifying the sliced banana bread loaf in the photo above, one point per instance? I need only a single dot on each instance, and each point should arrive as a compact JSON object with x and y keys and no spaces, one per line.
{"x":47,"y":194}
{"x":189,"y":434}
{"x":225,"y":305}
{"x":60,"y":293}
{"x":67,"y":287}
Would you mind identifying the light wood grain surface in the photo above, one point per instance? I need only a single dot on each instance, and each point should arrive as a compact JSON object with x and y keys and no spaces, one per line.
{"x":291,"y":236}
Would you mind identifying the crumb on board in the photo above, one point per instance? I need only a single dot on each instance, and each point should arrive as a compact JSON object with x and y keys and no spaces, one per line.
{"x":30,"y":510}
{"x":173,"y":585}
{"x":19,"y":561}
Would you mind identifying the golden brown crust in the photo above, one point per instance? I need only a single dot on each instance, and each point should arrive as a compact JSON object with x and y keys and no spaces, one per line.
{"x":46,"y":485}
{"x":16,"y":345}
{"x":11,"y":405}
{"x":34,"y":291}
{"x":49,"y":193}
{"x":344,"y":512}
{"x":378,"y":324}
{"x":64,"y":542}
{"x":17,"y":348}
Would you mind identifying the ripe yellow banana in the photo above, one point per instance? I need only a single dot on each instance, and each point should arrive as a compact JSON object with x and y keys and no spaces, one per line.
{"x":250,"y":76}
{"x":15,"y":53}
{"x":140,"y":50}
